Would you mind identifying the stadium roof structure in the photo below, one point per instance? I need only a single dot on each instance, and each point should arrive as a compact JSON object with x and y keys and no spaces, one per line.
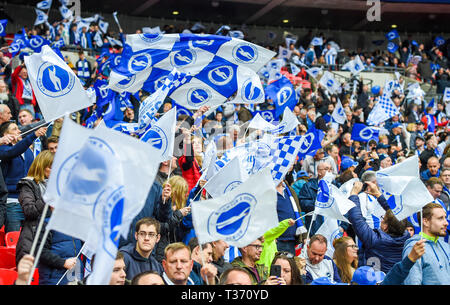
{"x":409,"y":15}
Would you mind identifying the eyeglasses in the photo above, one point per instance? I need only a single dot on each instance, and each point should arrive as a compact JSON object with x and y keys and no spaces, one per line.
{"x":149,"y":234}
{"x":284,"y":253}
{"x":353,"y":246}
{"x":257,"y":247}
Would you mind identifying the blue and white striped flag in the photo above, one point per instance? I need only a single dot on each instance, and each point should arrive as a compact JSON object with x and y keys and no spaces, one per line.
{"x":44,"y":5}
{"x":3,"y":24}
{"x":383,"y":110}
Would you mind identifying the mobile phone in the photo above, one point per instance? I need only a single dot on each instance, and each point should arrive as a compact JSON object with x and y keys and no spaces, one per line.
{"x":365,"y":186}
{"x":275,"y":270}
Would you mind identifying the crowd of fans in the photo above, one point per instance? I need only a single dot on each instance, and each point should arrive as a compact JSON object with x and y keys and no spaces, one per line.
{"x":161,"y":247}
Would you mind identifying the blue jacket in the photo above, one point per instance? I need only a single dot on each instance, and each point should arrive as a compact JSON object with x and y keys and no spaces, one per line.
{"x":425,"y":175}
{"x":14,"y":166}
{"x":433,"y":268}
{"x":377,"y":245}
{"x":154,"y":208}
{"x":135,"y":263}
{"x":285,"y":211}
{"x":195,"y":274}
{"x":398,"y":273}
{"x":307,"y":197}
{"x":65,"y":247}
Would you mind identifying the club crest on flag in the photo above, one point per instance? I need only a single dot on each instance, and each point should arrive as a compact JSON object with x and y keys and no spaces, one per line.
{"x":307,"y":143}
{"x":284,"y":95}
{"x":231,"y":186}
{"x":139,"y":62}
{"x":232,"y":219}
{"x":324,"y":196}
{"x":85,"y":179}
{"x":151,"y":38}
{"x":221,"y":75}
{"x":395,"y":202}
{"x":198,"y":96}
{"x":116,"y":60}
{"x":267,"y":115}
{"x":126,"y":83}
{"x":54,"y":81}
{"x":36,"y":42}
{"x":157,"y":138}
{"x":366,"y":133}
{"x":111,"y":226}
{"x":244,"y":53}
{"x":183,"y":57}
{"x":250,"y":92}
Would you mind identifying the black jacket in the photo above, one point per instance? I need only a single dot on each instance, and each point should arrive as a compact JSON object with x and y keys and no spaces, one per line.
{"x":168,"y":234}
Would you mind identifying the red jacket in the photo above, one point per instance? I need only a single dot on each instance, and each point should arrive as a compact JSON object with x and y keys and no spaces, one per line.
{"x":190,"y":170}
{"x":17,"y":86}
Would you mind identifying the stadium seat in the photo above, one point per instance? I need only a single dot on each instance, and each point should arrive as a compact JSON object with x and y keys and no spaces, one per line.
{"x":7,"y":276}
{"x":7,"y":258}
{"x":11,"y":239}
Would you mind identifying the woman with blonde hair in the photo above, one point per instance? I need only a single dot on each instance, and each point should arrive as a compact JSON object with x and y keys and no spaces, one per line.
{"x":170,"y":230}
{"x":345,"y":257}
{"x":60,"y":250}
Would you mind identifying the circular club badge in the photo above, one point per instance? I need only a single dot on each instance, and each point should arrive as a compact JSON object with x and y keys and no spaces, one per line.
{"x":54,"y":81}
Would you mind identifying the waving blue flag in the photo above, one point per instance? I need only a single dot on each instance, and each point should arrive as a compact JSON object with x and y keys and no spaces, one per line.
{"x":312,"y":142}
{"x":36,"y":43}
{"x":364,"y":133}
{"x":44,"y":5}
{"x":283,"y":95}
{"x":3,"y":24}
{"x":59,"y":44}
{"x":392,"y":35}
{"x":392,"y":47}
{"x":439,"y":41}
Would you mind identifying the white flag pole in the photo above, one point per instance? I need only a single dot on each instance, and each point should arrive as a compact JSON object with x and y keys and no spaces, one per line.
{"x":203,"y":260}
{"x":310,"y":225}
{"x":81,"y":250}
{"x":38,"y":232}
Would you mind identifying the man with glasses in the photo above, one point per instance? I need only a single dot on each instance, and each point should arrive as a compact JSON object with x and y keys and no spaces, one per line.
{"x":317,"y":263}
{"x":250,"y":255}
{"x":138,"y":256}
{"x":445,"y":195}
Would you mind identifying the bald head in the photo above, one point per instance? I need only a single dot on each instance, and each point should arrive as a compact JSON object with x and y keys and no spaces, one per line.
{"x":433,"y":165}
{"x":5,"y":113}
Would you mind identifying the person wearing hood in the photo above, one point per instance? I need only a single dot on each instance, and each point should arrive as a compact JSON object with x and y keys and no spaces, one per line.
{"x":137,"y":257}
{"x":382,"y":246}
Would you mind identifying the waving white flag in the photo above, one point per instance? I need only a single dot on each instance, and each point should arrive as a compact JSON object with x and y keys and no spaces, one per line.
{"x":226,"y":179}
{"x":58,"y":90}
{"x":241,"y":215}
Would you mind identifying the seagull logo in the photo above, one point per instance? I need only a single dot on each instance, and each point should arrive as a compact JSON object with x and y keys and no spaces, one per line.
{"x":245,"y":53}
{"x":221,"y":75}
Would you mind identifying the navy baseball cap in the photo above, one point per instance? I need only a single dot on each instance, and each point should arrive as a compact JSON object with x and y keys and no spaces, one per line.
{"x":366,"y":275}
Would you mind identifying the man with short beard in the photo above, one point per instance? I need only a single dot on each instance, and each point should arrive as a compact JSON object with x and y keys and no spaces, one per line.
{"x":434,"y":266}
{"x":7,"y":99}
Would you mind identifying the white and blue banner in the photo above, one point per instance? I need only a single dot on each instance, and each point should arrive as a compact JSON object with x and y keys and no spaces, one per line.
{"x":65,"y":12}
{"x":225,"y":180}
{"x":330,"y":229}
{"x":44,"y":5}
{"x":329,"y":82}
{"x":314,"y":72}
{"x":446,"y":97}
{"x":58,"y":90}
{"x":317,"y":41}
{"x":355,"y":66}
{"x":338,"y":114}
{"x":103,"y":26}
{"x":36,"y":43}
{"x":249,"y":88}
{"x":241,"y":215}
{"x":41,"y":17}
{"x":331,"y":202}
{"x":161,"y":135}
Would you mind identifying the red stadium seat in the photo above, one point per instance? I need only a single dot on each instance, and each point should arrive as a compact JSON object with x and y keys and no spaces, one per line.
{"x":11,"y":239}
{"x":35,"y":280}
{"x":7,"y":276}
{"x":7,"y":258}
